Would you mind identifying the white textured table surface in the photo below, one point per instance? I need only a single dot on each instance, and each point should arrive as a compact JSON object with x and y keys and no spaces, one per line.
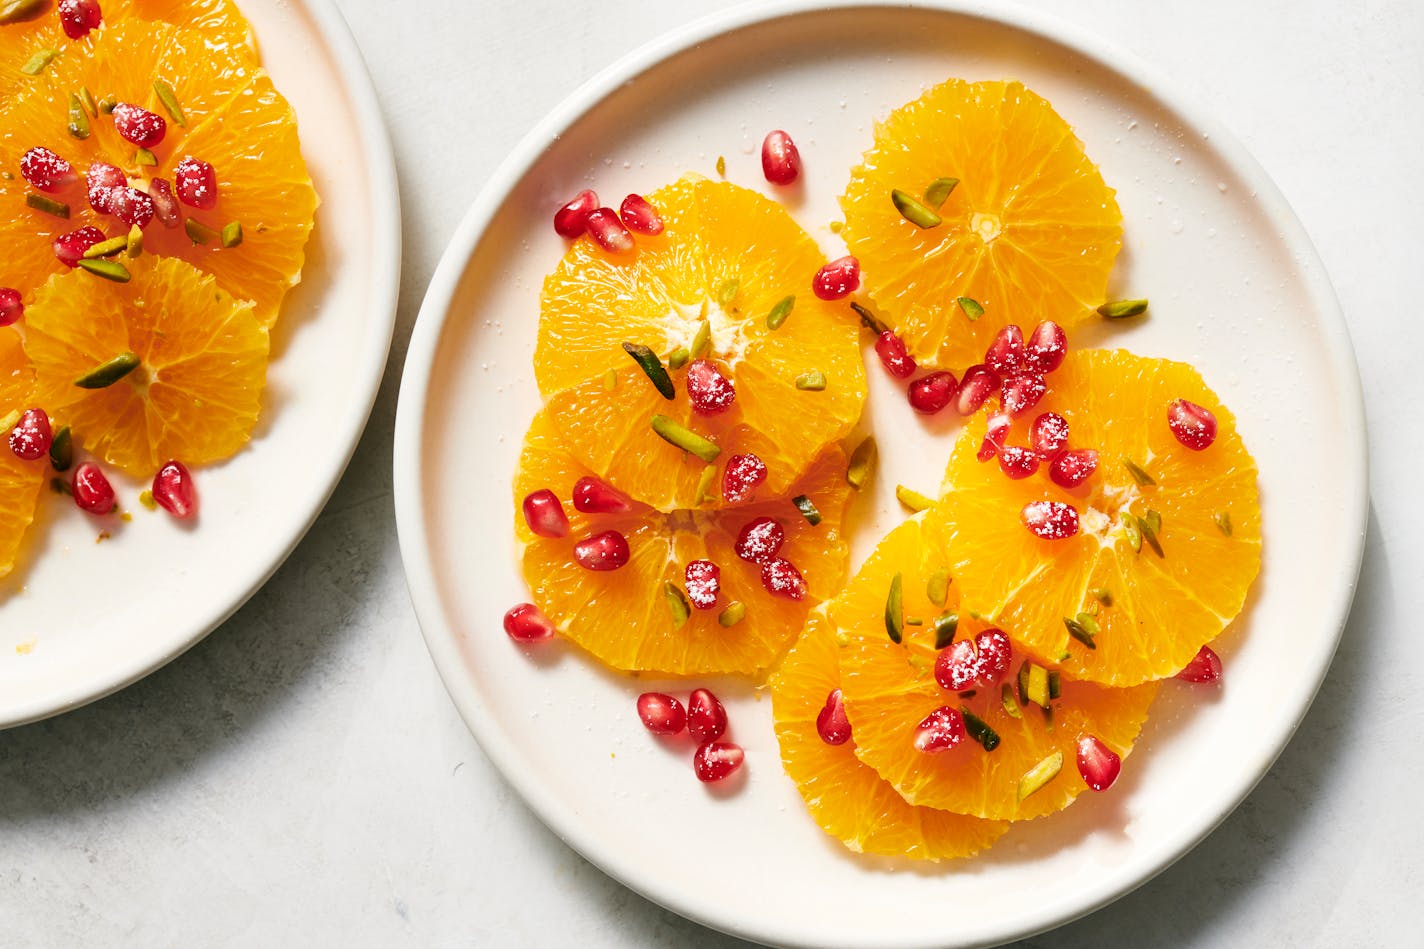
{"x":300,"y":777}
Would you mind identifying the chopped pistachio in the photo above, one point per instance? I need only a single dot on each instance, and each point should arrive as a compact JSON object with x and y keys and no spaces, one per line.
{"x":1150,"y":536}
{"x":48,"y":205}
{"x":87,"y":97}
{"x":652,"y":366}
{"x":1011,"y":705}
{"x":1122,"y":309}
{"x":61,"y":449}
{"x":937,"y":586}
{"x":144,"y":158}
{"x":685,"y":438}
{"x":979,"y":730}
{"x":702,"y":340}
{"x":37,"y":63}
{"x":1022,"y":681}
{"x":807,"y":509}
{"x":836,"y":226}
{"x":914,"y":621}
{"x":134,"y":242}
{"x":862,"y":463}
{"x":945,"y":626}
{"x":8,"y":420}
{"x":197,"y":231}
{"x":676,"y":604}
{"x":1055,"y":685}
{"x":813,"y":381}
{"x":13,"y":11}
{"x":60,"y":486}
{"x":1078,"y":632}
{"x":78,"y":118}
{"x":704,"y":484}
{"x":1139,"y":473}
{"x":107,"y":104}
{"x":106,"y":248}
{"x":733,"y":614}
{"x":895,"y":610}
{"x":1038,"y":685}
{"x":145,"y":497}
{"x":169,"y":98}
{"x":913,"y":500}
{"x":1223,"y":522}
{"x":971,"y":307}
{"x":913,"y":211}
{"x":1040,"y":774}
{"x":727,"y":292}
{"x":868,"y":320}
{"x":1089,"y":623}
{"x":108,"y":269}
{"x":938,"y":191}
{"x":106,"y":374}
{"x":1153,"y":520}
{"x":1129,"y":529}
{"x":780,"y":312}
{"x":678,"y":357}
{"x":722,"y":166}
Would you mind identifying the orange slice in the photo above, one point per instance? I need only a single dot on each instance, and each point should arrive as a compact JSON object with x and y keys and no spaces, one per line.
{"x":728,"y":256}
{"x":203,"y":360}
{"x":890,"y":688}
{"x":1163,"y":608}
{"x":1029,"y":233}
{"x":848,"y":799}
{"x":20,"y":480}
{"x":622,"y":616}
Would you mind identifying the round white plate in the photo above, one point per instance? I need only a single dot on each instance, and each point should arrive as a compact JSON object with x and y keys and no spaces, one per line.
{"x":1236,"y":288}
{"x":79,"y":619}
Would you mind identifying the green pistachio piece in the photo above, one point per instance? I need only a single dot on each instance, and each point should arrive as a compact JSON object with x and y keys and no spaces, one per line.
{"x":1122,"y":309}
{"x":895,"y":611}
{"x":1039,"y":775}
{"x":78,"y":118}
{"x":862,"y":463}
{"x":971,"y":307}
{"x":937,"y":586}
{"x":169,"y":98}
{"x":807,"y":509}
{"x":108,"y":269}
{"x":913,"y":500}
{"x":652,"y":366}
{"x":813,"y":381}
{"x":913,"y":211}
{"x":979,"y":730}
{"x":780,"y":312}
{"x":61,"y":449}
{"x":674,"y":433}
{"x":945,"y":626}
{"x":735,"y":612}
{"x":37,"y":63}
{"x":106,"y":374}
{"x":48,"y":205}
{"x":868,"y":320}
{"x":938,"y":191}
{"x":676,"y":604}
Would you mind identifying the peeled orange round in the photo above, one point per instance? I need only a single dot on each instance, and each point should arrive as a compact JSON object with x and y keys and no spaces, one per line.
{"x":20,"y":480}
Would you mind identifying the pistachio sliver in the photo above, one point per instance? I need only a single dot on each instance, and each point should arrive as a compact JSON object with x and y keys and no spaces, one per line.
{"x":133,"y":243}
{"x":913,"y":211}
{"x":1011,"y":704}
{"x":197,"y":231}
{"x":721,"y":166}
{"x":1139,"y":473}
{"x":938,"y":192}
{"x":61,"y":449}
{"x":8,"y":420}
{"x":1223,"y":522}
{"x":1038,"y":685}
{"x":87,"y":97}
{"x":807,"y":508}
{"x":813,"y":381}
{"x":37,"y":63}
{"x":78,"y":118}
{"x":679,"y":435}
{"x":652,"y":366}
{"x":1149,"y":535}
{"x":971,"y":307}
{"x":107,"y":104}
{"x":913,"y":500}
{"x":868,"y":319}
{"x":676,"y":604}
{"x":862,"y":463}
{"x":735,"y":612}
{"x":895,"y":610}
{"x":1039,"y":775}
{"x":169,"y":98}
{"x":1122,"y":309}
{"x":937,"y":586}
{"x":979,"y":730}
{"x":14,"y":11}
{"x":678,"y":357}
{"x":780,"y":312}
{"x":145,"y":158}
{"x":702,"y":341}
{"x":1079,"y":632}
{"x":704,"y":484}
{"x":727,"y":292}
{"x":1055,"y":684}
{"x":1089,"y":623}
{"x":106,"y":248}
{"x":945,"y":626}
{"x":108,"y":269}
{"x":46,"y":204}
{"x":106,"y":374}
{"x":1129,"y":529}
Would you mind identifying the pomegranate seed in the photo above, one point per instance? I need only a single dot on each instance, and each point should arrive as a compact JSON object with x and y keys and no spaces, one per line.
{"x":1097,"y":763}
{"x":638,"y":215}
{"x":995,"y":434}
{"x":12,"y":307}
{"x":78,"y":17}
{"x":1072,"y":468}
{"x":1046,"y":348}
{"x":196,"y":183}
{"x":92,"y":491}
{"x":174,"y":490}
{"x":70,"y":248}
{"x":1204,"y":667}
{"x":741,"y":477}
{"x":1193,"y":425}
{"x":100,"y":181}
{"x":930,"y":394}
{"x":571,"y":219}
{"x":710,"y":392}
{"x":46,"y":171}
{"x":1005,"y":354}
{"x":831,"y":722}
{"x":706,"y":718}
{"x":1051,"y":520}
{"x":1049,"y":434}
{"x":837,"y":279}
{"x":940,"y":730}
{"x":605,"y":551}
{"x":30,"y":438}
{"x":996,"y":654}
{"x":893,"y":354}
{"x":526,"y":623}
{"x":139,"y":126}
{"x":978,"y":384}
{"x":165,"y":205}
{"x":608,"y":232}
{"x":717,"y":760}
{"x":781,"y":578}
{"x":592,"y":496}
{"x":1021,"y":392}
{"x":1016,"y":462}
{"x":780,"y":160}
{"x":131,"y":206}
{"x":544,"y":514}
{"x":661,"y":714}
{"x":957,"y":665}
{"x":703,"y":579}
{"x":760,"y":540}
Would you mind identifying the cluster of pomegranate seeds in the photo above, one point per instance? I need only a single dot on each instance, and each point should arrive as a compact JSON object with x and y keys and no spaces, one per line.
{"x":703,"y":580}
{"x":742,"y":476}
{"x":710,"y":392}
{"x":100,"y":182}
{"x":78,"y":17}
{"x":1050,"y":520}
{"x":525,"y":623}
{"x":592,"y":496}
{"x":196,"y":183}
{"x":91,"y":489}
{"x":1204,"y":667}
{"x":983,"y":661}
{"x":640,"y":216}
{"x":705,"y":720}
{"x":609,"y":229}
{"x":1193,"y":425}
{"x":894,"y":355}
{"x":70,"y":247}
{"x":780,"y":159}
{"x":570,"y":220}
{"x":605,"y":551}
{"x":46,"y":171}
{"x":760,"y":540}
{"x":831,"y":722}
{"x":940,"y":730}
{"x":1097,"y":763}
{"x":837,"y":279}
{"x":781,"y":578}
{"x":12,"y":306}
{"x":544,"y":514}
{"x":138,"y":126}
{"x":929,"y":394}
{"x":31,"y":437}
{"x":661,"y":714}
{"x":174,"y":490}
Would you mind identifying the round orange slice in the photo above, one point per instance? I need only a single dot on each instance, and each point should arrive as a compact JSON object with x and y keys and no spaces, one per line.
{"x":20,"y":480}
{"x":629,"y":618}
{"x":729,"y":263}
{"x":1028,"y":233}
{"x":846,"y":798}
{"x":201,"y":356}
{"x":1154,"y":597}
{"x":890,"y":688}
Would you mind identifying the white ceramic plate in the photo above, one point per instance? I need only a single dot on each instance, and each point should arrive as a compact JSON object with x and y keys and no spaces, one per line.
{"x":83,"y":619}
{"x":1229,"y":272}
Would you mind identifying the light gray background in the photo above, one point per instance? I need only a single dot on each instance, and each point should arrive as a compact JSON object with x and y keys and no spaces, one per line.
{"x":301,"y":777}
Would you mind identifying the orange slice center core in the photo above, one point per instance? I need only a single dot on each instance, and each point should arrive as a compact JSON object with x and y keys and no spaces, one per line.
{"x":987,"y":226}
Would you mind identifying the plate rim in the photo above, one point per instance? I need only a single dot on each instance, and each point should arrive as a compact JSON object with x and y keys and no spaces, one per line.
{"x":434,"y":316}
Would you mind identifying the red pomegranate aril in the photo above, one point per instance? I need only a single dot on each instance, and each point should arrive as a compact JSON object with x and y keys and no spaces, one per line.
{"x":831,"y":722}
{"x":940,"y":730}
{"x":957,"y":665}
{"x":1204,"y":667}
{"x":978,"y":384}
{"x":894,"y":356}
{"x":197,"y":183}
{"x":46,"y":171}
{"x":929,"y":394}
{"x":165,"y":205}
{"x":526,"y":623}
{"x":544,"y":513}
{"x":1046,"y":347}
{"x":996,"y":432}
{"x":717,"y":760}
{"x":710,"y":392}
{"x":760,"y":539}
{"x":1049,"y":434}
{"x":92,"y":491}
{"x":1021,"y":392}
{"x":1006,"y":353}
{"x":781,"y":578}
{"x":139,"y":126}
{"x":591,"y":496}
{"x":703,"y":580}
{"x":1017,"y":462}
{"x":1097,"y":763}
{"x":742,"y":476}
{"x":12,"y":306}
{"x":1071,"y":468}
{"x":605,"y":551}
{"x":99,"y":183}
{"x":996,"y":654}
{"x":1050,"y":520}
{"x":1193,"y":425}
{"x":31,"y":437}
{"x":131,"y":206}
{"x":70,"y":248}
{"x":706,"y":718}
{"x":570,"y":220}
{"x":780,"y":159}
{"x":608,"y":232}
{"x":661,"y":714}
{"x":638,"y":215}
{"x":78,"y":17}
{"x":174,"y":490}
{"x":837,"y":279}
